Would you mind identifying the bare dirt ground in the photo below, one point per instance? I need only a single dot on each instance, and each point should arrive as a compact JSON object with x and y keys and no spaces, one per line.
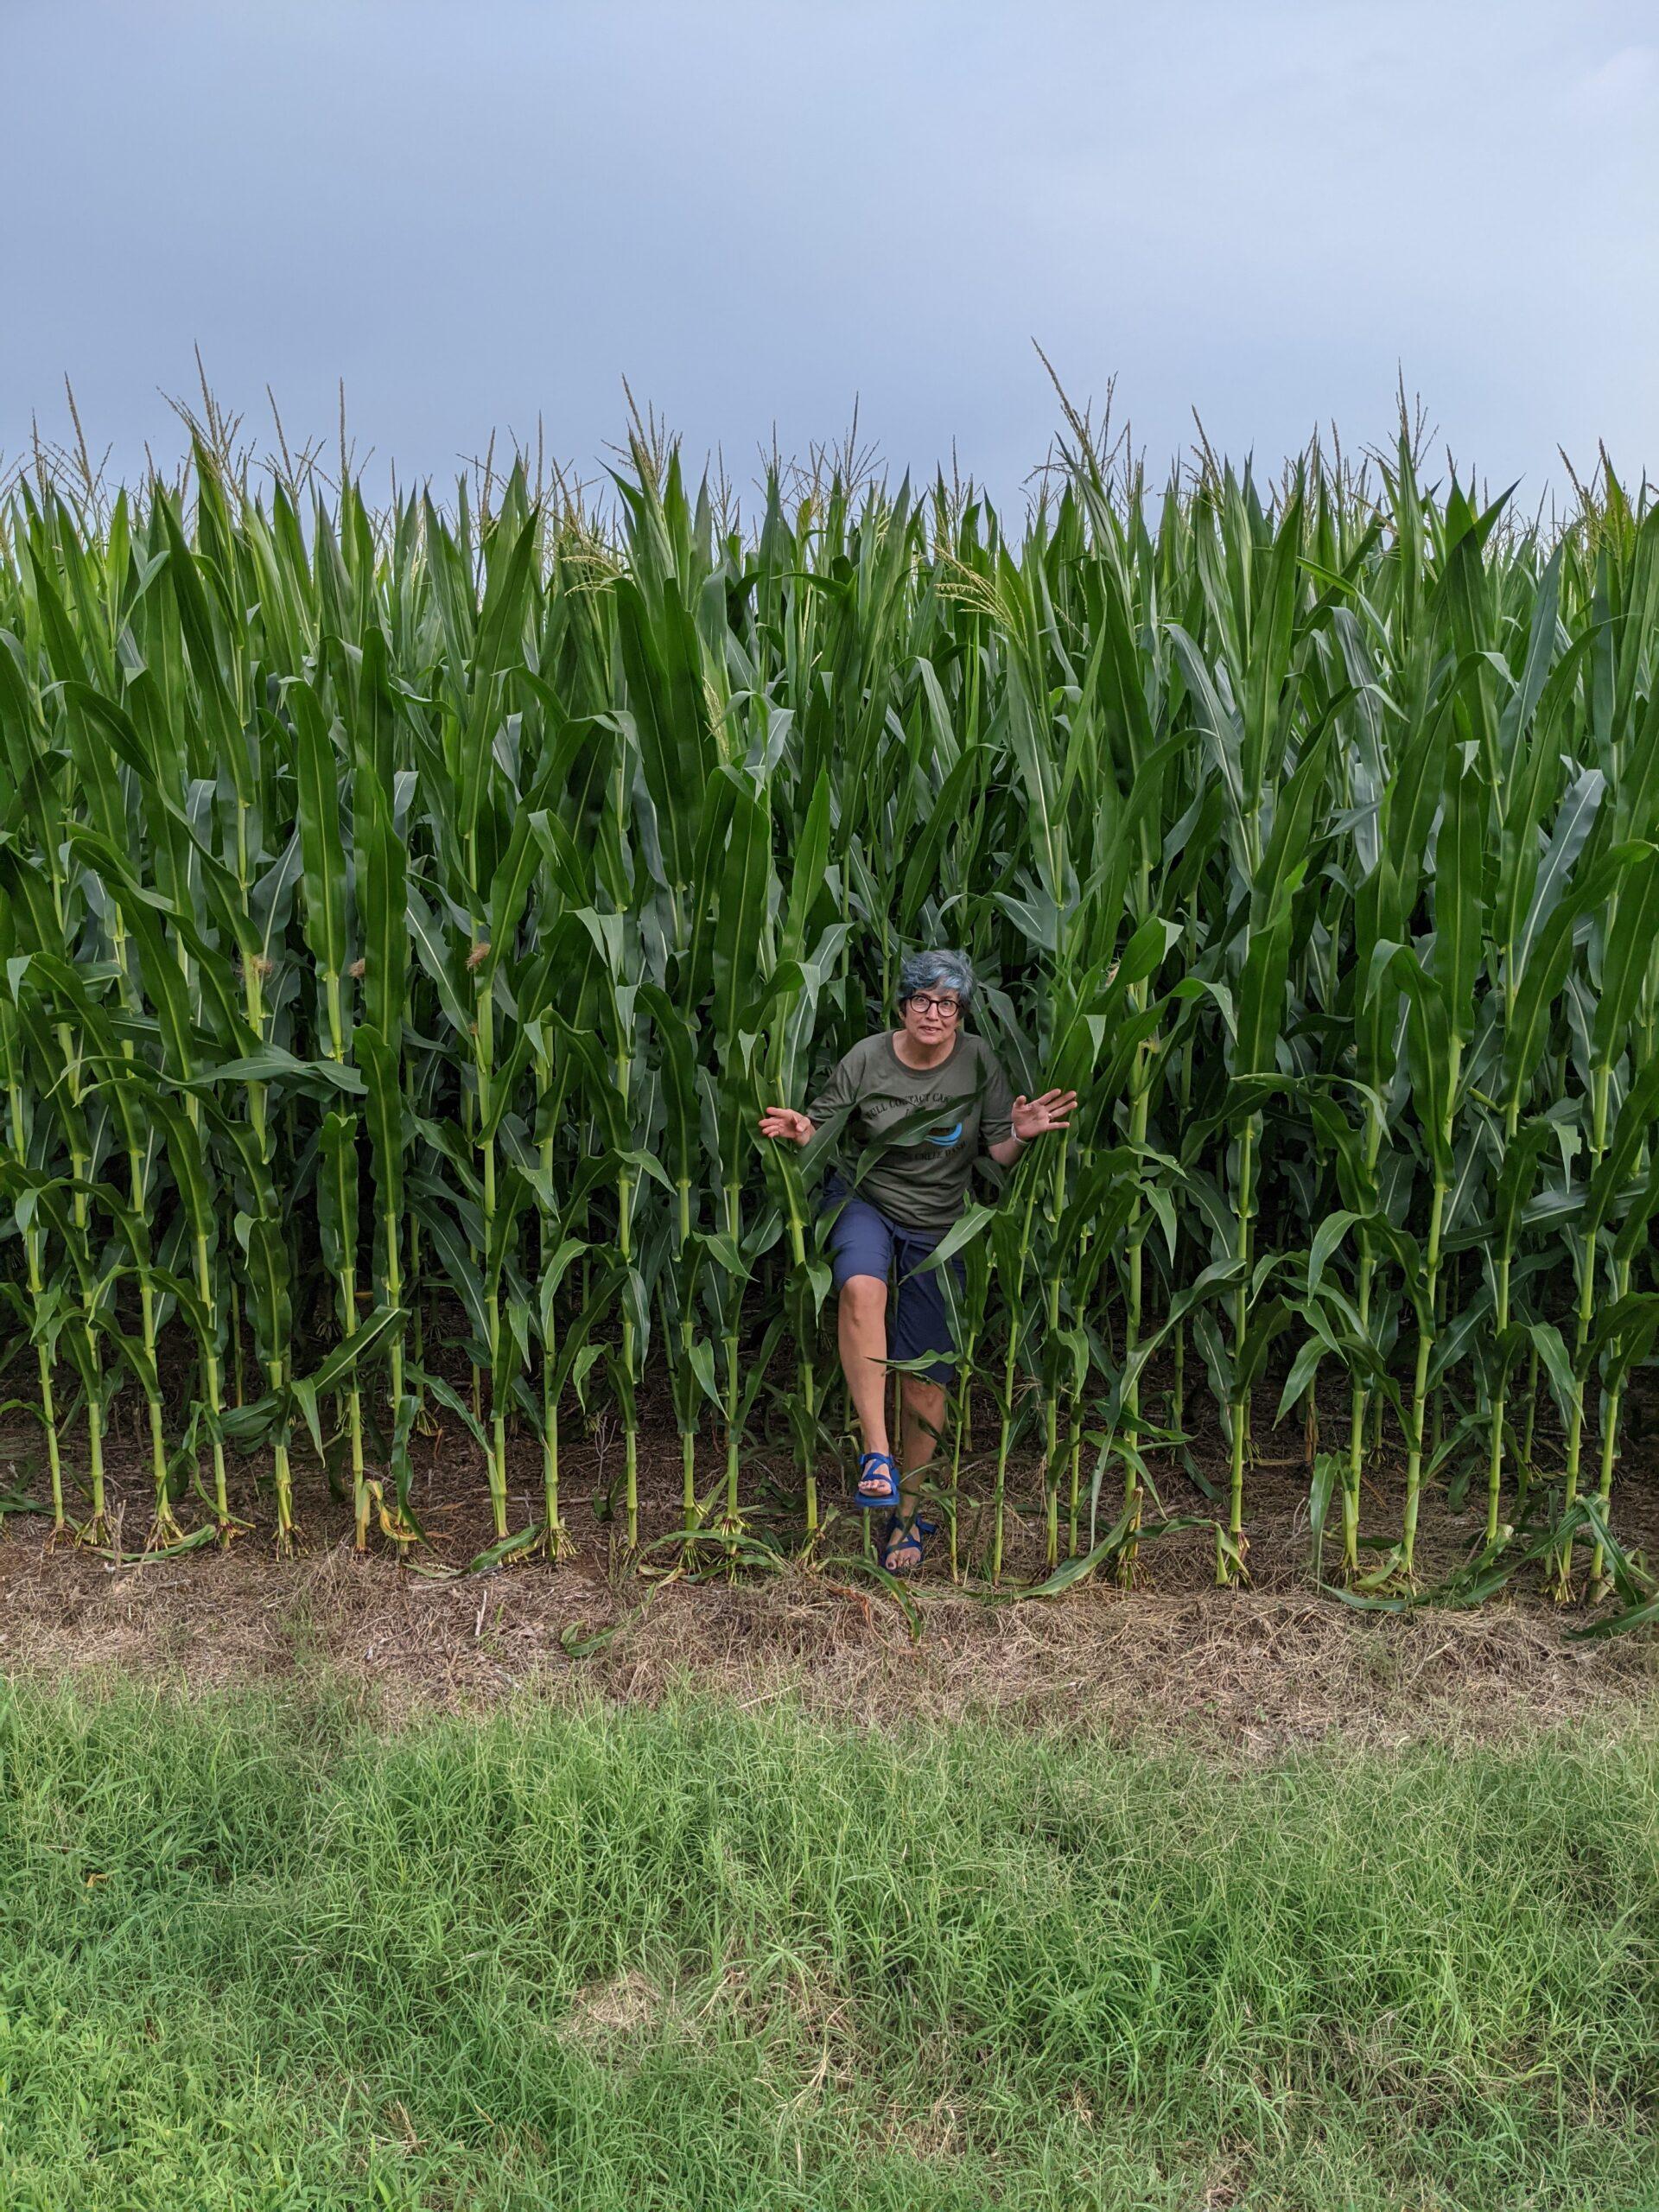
{"x":1261,"y":1668}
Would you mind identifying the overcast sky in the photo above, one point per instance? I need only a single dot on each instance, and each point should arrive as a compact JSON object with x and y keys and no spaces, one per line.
{"x":482,"y":211}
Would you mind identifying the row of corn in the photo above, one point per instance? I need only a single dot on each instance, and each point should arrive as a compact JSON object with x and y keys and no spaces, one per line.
{"x":405,"y":915}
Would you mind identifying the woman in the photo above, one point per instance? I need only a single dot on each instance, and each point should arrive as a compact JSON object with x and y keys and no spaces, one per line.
{"x":923,"y":1098}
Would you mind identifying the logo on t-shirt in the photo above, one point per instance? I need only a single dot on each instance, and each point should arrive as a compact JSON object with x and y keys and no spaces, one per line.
{"x":948,"y":1136}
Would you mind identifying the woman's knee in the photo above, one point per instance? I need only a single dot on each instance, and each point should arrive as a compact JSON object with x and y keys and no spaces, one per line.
{"x":864,"y":1297}
{"x":921,"y":1395}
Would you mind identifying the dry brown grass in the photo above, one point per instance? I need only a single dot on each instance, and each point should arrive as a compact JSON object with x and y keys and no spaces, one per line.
{"x":1260,"y":1668}
{"x":1266,"y":1666}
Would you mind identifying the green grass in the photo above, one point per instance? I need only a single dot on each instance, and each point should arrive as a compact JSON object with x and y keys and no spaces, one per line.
{"x":255,"y":1954}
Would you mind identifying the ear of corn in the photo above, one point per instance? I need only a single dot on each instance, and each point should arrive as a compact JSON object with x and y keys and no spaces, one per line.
{"x":403,"y":917}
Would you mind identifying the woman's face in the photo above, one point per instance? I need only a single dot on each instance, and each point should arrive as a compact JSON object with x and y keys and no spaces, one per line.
{"x":931,"y":1016}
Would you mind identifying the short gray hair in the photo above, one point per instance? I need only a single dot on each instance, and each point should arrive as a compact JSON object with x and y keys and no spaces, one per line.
{"x":935,"y":972}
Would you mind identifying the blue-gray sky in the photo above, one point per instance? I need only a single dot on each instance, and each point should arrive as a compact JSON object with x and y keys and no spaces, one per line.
{"x":482,"y":211}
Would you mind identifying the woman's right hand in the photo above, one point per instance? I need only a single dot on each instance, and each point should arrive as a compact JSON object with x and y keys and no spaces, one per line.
{"x":785,"y":1122}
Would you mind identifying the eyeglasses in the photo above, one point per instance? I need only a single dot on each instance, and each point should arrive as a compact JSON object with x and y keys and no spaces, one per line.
{"x":947,"y":1009}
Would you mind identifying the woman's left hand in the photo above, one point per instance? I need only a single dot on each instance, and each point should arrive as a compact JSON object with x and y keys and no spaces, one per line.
{"x":1034,"y":1118}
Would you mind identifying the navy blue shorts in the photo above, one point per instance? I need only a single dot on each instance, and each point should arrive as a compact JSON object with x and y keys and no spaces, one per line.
{"x":864,"y":1241}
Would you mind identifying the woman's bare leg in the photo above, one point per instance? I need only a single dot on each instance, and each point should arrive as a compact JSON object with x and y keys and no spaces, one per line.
{"x":862,"y":1328}
{"x":923,"y":1425}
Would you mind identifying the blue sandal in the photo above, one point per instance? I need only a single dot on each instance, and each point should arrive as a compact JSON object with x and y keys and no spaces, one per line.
{"x":870,"y":1500}
{"x":896,"y":1539}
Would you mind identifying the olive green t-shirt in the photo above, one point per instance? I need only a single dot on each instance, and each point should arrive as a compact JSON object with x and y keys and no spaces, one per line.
{"x":921,"y":1129}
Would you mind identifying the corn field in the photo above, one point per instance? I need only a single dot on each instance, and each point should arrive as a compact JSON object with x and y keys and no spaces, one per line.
{"x":405,"y":915}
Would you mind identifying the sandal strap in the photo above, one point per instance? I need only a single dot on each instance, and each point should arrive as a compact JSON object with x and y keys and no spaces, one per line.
{"x":908,"y":1535}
